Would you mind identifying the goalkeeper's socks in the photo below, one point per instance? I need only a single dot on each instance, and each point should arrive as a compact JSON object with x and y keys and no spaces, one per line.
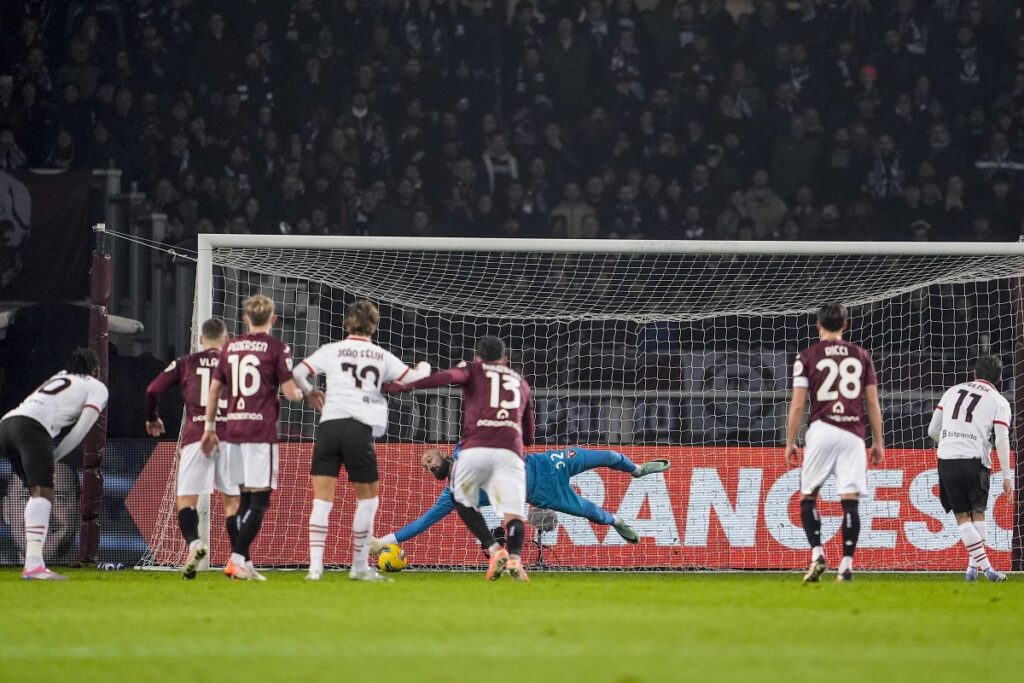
{"x":975,"y":546}
{"x":811,"y":522}
{"x":851,"y":526}
{"x":362,"y":530}
{"x":188,"y":522}
{"x":37,"y":523}
{"x":846,"y":564}
{"x":318,"y":521}
{"x":515,"y":532}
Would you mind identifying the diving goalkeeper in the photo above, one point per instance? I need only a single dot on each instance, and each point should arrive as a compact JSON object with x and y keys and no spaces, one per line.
{"x":547,"y":486}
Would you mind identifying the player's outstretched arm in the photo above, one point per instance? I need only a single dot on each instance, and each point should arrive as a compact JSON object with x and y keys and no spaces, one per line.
{"x":444,"y":378}
{"x":414,"y":374}
{"x":161,"y":383}
{"x":875,"y":420}
{"x":796,"y":418}
{"x":85,"y":422}
{"x":443,"y":507}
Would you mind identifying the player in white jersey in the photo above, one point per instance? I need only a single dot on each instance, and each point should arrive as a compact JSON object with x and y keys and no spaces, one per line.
{"x":963,"y":424}
{"x":353,"y":413}
{"x":71,"y":397}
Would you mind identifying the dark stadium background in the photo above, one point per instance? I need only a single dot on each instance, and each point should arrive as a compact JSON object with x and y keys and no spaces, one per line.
{"x":810,"y":120}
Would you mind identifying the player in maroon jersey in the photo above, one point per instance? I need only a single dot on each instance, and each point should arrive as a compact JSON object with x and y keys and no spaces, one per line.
{"x":840,"y":378}
{"x":497,"y":421}
{"x":253,"y":368}
{"x":197,"y":473}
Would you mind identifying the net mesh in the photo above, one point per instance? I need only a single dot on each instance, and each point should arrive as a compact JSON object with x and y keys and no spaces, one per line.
{"x":679,"y":356}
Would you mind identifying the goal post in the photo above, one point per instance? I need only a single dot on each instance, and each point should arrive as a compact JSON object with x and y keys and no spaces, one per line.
{"x":653,"y":348}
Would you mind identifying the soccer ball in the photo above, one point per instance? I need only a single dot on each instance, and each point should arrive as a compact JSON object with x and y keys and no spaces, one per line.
{"x":392,"y":558}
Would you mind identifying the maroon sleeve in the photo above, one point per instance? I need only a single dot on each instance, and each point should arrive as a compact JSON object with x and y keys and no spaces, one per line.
{"x":529,"y":423}
{"x":161,"y":383}
{"x":455,"y":376}
{"x":869,"y":370}
{"x":283,"y":367}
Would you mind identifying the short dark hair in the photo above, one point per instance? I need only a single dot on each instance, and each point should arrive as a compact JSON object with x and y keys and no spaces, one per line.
{"x":490,"y":348}
{"x":832,"y":316}
{"x":989,"y":368}
{"x":214,"y":329}
{"x":82,"y":362}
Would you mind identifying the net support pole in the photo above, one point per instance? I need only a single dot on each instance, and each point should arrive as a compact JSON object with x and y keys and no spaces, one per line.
{"x":204,"y":310}
{"x":1017,"y":506}
{"x":96,"y":440}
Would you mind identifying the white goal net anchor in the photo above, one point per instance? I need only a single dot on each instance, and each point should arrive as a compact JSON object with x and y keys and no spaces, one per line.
{"x":680,"y":350}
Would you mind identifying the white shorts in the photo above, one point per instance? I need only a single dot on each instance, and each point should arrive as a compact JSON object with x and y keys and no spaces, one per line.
{"x":199,"y":475}
{"x":252,"y":465}
{"x":831,"y":450}
{"x":498,"y":471}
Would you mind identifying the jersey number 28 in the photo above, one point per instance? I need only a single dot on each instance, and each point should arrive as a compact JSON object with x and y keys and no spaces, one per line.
{"x":847,"y":371}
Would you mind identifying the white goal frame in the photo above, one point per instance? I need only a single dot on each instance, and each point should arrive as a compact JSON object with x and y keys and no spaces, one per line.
{"x":207,"y":243}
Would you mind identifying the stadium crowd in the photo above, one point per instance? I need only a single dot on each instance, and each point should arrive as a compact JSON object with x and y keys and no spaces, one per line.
{"x":817,"y":119}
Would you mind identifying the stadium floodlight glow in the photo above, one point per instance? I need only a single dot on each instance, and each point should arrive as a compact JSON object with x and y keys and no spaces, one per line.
{"x":675,"y":349}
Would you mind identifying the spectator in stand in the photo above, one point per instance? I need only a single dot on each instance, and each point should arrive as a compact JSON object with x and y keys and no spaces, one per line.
{"x":321,"y":112}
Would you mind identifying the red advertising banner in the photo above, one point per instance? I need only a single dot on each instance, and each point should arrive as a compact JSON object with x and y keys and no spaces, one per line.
{"x":720,"y":508}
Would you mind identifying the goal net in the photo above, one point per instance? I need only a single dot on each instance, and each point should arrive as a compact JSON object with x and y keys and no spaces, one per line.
{"x":655,"y":349}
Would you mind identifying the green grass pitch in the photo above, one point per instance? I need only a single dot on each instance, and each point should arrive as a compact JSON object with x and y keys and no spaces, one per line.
{"x":121,"y":626}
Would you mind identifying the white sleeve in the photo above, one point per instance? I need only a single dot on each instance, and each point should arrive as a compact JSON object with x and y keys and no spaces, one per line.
{"x":85,"y":422}
{"x":935,"y":428}
{"x":312,"y":364}
{"x":397,"y":371}
{"x":1003,"y":447}
{"x":1001,"y":427}
{"x":302,"y":371}
{"x":800,"y":380}
{"x":97,"y":396}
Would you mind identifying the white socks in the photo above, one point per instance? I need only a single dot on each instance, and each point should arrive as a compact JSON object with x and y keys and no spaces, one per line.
{"x":975,"y":545}
{"x":237,"y":560}
{"x":845,"y":564}
{"x":816,"y":552}
{"x":37,"y":523}
{"x":318,"y":533}
{"x":362,"y":530}
{"x":982,"y":530}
